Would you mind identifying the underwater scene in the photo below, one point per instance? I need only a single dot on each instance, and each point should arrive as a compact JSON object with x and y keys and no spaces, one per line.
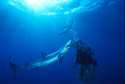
{"x":62,"y":42}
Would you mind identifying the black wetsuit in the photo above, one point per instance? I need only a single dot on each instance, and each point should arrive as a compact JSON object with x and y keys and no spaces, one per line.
{"x":85,"y":59}
{"x":84,"y":56}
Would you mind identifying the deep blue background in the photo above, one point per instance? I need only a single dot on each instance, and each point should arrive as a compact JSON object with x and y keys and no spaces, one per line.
{"x":23,"y":37}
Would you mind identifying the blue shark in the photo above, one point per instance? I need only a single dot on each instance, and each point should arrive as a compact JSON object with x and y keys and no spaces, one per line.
{"x":50,"y":58}
{"x":40,"y":62}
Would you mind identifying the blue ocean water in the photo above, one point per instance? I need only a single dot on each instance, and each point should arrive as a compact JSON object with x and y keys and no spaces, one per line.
{"x":24,"y":35}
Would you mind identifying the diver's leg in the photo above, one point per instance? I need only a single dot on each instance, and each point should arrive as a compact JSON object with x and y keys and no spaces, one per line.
{"x":92,"y":72}
{"x":87,"y":70}
{"x":84,"y":72}
{"x":89,"y":73}
{"x":81,"y":72}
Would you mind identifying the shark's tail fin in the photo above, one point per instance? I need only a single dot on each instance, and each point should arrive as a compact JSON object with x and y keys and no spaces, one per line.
{"x":13,"y":67}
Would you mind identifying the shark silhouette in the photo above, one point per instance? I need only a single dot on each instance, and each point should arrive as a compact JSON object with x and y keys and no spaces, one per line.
{"x":40,"y":62}
{"x":50,"y":58}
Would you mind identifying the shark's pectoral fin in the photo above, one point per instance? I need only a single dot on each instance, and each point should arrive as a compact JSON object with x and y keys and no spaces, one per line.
{"x":60,"y":59}
{"x":43,"y":54}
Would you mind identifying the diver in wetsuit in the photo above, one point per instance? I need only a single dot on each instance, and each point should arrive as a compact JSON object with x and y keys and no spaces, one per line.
{"x":84,"y":57}
{"x":13,"y":67}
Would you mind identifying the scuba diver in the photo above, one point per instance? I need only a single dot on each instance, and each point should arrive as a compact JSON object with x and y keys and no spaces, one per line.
{"x":84,"y":57}
{"x":13,"y":67}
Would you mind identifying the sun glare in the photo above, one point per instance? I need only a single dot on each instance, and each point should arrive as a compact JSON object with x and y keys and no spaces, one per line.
{"x":54,"y":7}
{"x":34,"y":4}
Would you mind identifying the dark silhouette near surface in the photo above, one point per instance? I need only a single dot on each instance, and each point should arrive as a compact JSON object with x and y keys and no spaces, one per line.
{"x":13,"y":67}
